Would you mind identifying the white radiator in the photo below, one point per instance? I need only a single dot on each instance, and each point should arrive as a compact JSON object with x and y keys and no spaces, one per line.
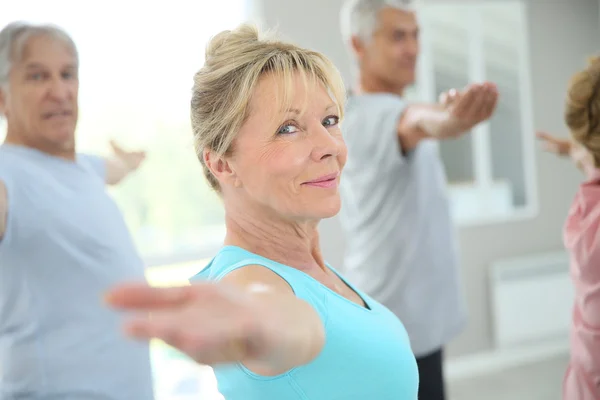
{"x":531,"y":299}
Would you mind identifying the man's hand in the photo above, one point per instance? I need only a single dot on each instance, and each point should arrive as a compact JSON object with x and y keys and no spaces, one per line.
{"x":131,"y":159}
{"x":122,"y":163}
{"x":464,"y":109}
{"x":455,"y":114}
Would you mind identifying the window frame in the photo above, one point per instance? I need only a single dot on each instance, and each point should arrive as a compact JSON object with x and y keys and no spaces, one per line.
{"x":480,"y":135}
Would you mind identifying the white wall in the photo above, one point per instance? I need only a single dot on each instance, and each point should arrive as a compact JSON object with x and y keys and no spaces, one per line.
{"x":563,"y":33}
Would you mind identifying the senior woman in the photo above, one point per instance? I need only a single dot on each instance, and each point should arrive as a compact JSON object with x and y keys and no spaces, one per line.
{"x":273,"y":318}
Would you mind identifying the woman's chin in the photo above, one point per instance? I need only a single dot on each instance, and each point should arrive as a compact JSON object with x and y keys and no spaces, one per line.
{"x":328,"y":209}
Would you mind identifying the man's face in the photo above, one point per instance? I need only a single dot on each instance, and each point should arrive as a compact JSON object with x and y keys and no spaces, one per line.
{"x":390,"y":56}
{"x":40,"y":104}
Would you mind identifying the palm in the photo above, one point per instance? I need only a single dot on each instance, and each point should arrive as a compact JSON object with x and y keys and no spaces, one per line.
{"x":469,"y":107}
{"x":132,"y":159}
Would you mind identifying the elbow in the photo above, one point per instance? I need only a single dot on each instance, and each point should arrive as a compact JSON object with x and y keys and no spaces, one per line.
{"x":410,"y":132}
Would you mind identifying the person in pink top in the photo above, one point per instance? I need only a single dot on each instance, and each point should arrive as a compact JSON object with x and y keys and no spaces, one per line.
{"x":582,"y":231}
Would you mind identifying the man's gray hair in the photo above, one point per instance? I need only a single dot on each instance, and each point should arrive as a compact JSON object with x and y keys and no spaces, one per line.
{"x":360,"y":17}
{"x":13,"y":38}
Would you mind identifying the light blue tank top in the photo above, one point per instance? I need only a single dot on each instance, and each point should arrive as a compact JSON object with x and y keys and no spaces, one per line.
{"x":65,"y":244}
{"x":366,"y":355}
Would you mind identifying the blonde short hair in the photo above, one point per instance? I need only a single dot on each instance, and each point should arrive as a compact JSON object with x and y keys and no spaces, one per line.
{"x":223,"y":87}
{"x":582,"y":111}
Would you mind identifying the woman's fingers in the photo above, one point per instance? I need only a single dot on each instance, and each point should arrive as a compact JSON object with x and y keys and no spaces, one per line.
{"x":211,"y":323}
{"x":143,"y":297}
{"x":208,"y":333}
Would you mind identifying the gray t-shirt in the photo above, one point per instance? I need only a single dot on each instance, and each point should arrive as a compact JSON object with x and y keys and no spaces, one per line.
{"x":400,"y":241}
{"x":65,"y":245}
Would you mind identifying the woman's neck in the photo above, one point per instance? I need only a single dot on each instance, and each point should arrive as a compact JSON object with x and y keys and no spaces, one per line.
{"x":290,"y":243}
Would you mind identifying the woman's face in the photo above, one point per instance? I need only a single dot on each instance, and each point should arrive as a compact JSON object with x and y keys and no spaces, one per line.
{"x":289,"y":162}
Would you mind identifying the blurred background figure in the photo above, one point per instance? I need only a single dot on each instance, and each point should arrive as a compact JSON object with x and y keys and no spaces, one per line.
{"x":581,"y":231}
{"x":64,"y":241}
{"x":401,"y":246}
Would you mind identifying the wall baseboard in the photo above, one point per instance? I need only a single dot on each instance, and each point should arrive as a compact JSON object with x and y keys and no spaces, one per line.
{"x":494,"y":361}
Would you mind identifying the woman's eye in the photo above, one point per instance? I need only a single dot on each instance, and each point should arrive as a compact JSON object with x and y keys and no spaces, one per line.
{"x":331,"y":120}
{"x":287,"y":129}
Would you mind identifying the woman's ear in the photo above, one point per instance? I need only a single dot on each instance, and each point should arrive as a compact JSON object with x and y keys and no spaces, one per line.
{"x":221,"y":168}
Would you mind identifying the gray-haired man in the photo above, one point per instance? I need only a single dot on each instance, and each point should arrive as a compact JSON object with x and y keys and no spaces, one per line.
{"x":401,"y":246}
{"x":63,"y":241}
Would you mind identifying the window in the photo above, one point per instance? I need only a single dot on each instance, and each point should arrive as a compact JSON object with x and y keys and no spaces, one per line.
{"x":136,"y":75}
{"x":491,"y":170}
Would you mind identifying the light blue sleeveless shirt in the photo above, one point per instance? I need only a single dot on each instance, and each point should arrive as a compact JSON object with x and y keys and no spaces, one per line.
{"x":366,"y":355}
{"x":65,"y":244}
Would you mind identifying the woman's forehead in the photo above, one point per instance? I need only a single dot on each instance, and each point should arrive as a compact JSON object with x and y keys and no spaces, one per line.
{"x":277,"y":94}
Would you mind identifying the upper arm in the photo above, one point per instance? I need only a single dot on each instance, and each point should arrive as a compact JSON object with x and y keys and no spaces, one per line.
{"x":370,"y":130}
{"x":3,"y":208}
{"x":266,"y":286}
{"x":111,"y":170}
{"x":389,"y":146}
{"x":260,"y":281}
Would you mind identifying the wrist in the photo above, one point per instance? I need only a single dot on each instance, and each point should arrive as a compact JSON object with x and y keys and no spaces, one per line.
{"x":436,"y":122}
{"x":127,"y":165}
